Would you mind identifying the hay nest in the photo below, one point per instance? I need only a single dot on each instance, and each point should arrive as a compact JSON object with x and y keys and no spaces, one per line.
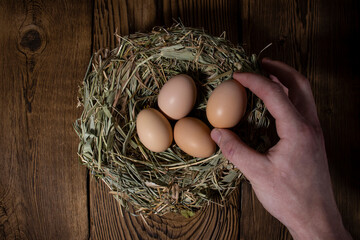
{"x":121,"y":82}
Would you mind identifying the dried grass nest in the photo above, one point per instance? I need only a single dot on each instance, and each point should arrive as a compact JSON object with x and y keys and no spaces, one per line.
{"x":121,"y":82}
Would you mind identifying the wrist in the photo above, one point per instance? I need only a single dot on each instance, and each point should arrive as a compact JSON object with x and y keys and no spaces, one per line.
{"x":320,"y":228}
{"x":319,"y":234}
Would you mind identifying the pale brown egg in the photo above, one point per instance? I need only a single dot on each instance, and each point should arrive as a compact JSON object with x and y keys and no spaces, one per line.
{"x":193,"y":137}
{"x":154,"y":130}
{"x":226,"y":105}
{"x":178,"y":96}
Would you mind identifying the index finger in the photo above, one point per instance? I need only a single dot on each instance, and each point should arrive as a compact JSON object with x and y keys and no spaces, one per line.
{"x":299,"y":88}
{"x":274,"y":98}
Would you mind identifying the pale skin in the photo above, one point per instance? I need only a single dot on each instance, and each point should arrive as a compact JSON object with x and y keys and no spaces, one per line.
{"x":292,"y":179}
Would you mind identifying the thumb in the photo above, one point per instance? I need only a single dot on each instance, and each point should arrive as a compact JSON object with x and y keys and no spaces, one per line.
{"x":246,"y":159}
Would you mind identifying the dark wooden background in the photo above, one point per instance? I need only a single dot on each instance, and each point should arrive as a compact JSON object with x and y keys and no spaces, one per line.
{"x":44,"y":51}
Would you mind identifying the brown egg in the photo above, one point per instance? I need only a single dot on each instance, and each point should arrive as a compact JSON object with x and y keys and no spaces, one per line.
{"x":226,"y":105}
{"x":154,"y":130}
{"x":178,"y":96}
{"x":193,"y":137}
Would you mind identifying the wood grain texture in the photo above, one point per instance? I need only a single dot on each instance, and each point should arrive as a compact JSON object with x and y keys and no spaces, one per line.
{"x":336,"y":89}
{"x":215,"y":16}
{"x":320,"y":39}
{"x":44,"y":51}
{"x":42,"y":186}
{"x":108,"y":220}
{"x":125,"y":17}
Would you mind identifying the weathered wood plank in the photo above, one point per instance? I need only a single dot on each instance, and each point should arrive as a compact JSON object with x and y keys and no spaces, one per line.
{"x":320,"y":39}
{"x":336,"y":85}
{"x":124,"y":16}
{"x":44,"y":48}
{"x":127,"y":17}
{"x":110,"y":221}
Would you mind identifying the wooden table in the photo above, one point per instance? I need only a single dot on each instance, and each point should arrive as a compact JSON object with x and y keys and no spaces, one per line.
{"x":45,"y":46}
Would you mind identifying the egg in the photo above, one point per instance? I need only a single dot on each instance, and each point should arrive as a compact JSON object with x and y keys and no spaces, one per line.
{"x":154,"y":130}
{"x":178,"y":96}
{"x":226,"y":105}
{"x":193,"y":137}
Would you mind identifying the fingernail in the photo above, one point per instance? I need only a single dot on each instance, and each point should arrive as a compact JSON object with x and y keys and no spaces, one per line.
{"x":216,"y":135}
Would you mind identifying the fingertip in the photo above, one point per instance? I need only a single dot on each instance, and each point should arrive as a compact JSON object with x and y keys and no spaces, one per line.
{"x":239,"y":153}
{"x":266,"y":59}
{"x":275,"y":65}
{"x":249,"y":80}
{"x":242,"y":76}
{"x":227,"y":141}
{"x":236,"y":75}
{"x":239,"y":77}
{"x":216,"y":135}
{"x":267,"y":63}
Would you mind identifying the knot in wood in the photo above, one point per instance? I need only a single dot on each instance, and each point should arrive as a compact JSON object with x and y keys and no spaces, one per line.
{"x":31,"y":39}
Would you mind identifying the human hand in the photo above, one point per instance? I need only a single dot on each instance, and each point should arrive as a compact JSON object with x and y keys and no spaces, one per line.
{"x":292,"y":179}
